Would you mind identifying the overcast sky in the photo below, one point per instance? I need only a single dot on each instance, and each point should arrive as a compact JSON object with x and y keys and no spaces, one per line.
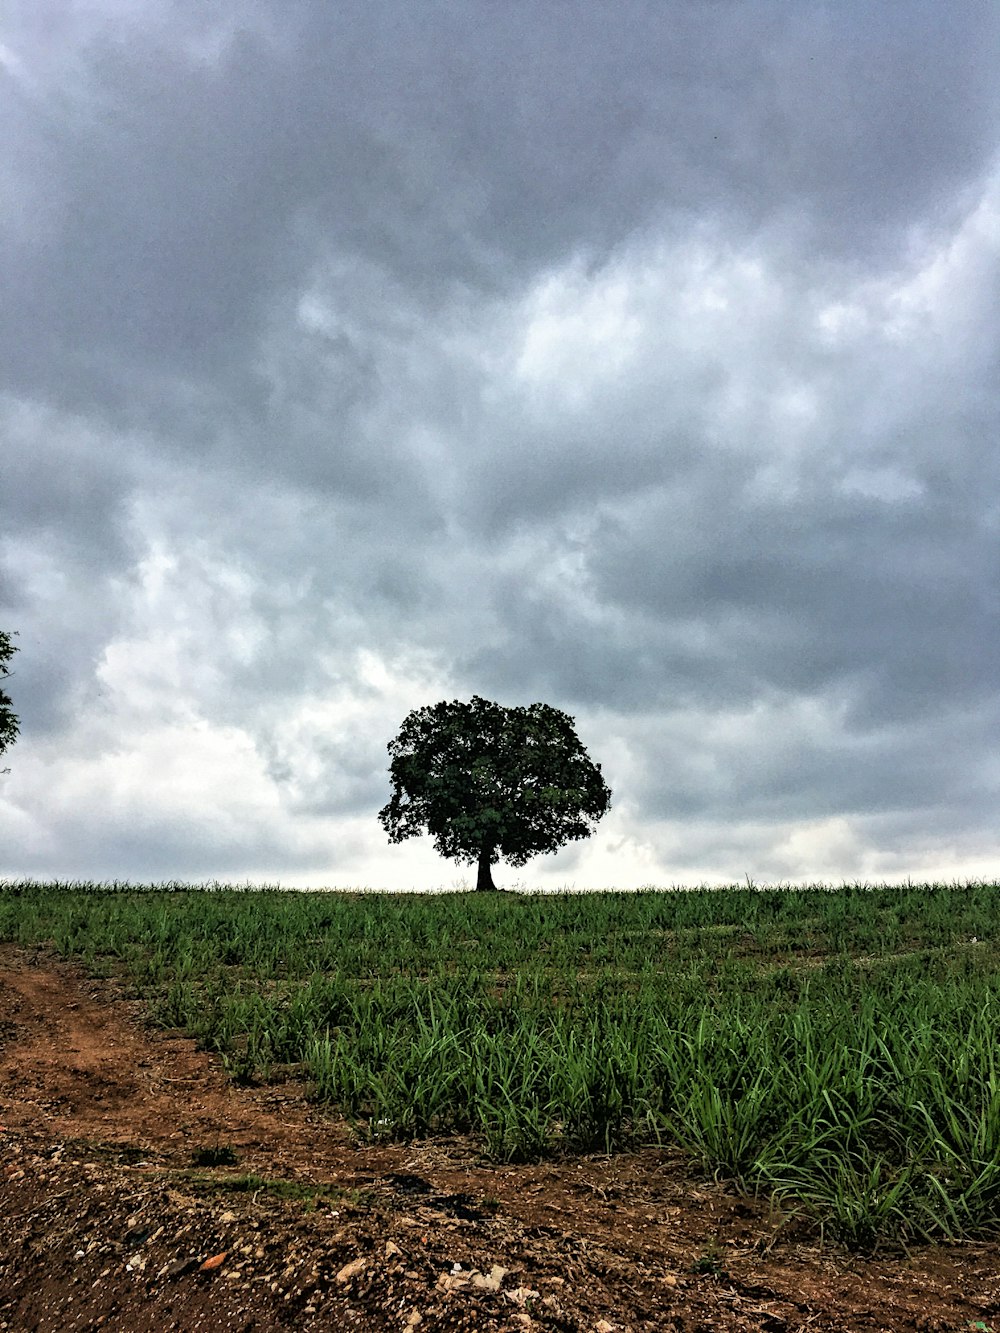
{"x":638,"y":358}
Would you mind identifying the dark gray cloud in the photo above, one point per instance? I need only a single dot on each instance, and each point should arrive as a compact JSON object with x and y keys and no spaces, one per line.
{"x":642,"y":359}
{"x":189,"y":181}
{"x":800,"y":596}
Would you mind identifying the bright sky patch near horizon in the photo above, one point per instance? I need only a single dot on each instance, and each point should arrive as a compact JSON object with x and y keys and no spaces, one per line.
{"x":639,"y":359}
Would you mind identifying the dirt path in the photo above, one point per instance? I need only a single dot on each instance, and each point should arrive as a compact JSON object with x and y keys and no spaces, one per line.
{"x":107,"y":1222}
{"x":82,"y":1062}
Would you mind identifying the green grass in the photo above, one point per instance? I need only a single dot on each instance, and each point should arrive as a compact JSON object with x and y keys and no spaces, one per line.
{"x":835,"y":1049}
{"x":297,"y":1191}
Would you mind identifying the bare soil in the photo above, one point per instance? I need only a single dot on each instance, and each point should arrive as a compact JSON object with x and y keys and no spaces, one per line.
{"x":110,"y":1217}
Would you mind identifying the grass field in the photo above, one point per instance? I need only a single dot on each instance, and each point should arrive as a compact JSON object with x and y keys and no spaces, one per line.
{"x":834,"y":1049}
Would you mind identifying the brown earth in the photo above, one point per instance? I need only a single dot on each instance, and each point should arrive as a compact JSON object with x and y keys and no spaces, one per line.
{"x":107,"y":1222}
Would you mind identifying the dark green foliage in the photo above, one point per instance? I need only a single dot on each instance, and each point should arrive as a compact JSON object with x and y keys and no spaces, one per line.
{"x":488,"y":782}
{"x":8,"y":719}
{"x":217,"y":1154}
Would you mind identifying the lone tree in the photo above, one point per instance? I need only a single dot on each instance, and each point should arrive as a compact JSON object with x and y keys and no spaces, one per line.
{"x":489,"y":781}
{"x":8,"y":719}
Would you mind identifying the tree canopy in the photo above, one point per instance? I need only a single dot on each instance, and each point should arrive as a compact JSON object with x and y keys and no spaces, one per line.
{"x":8,"y":719}
{"x":489,"y":782}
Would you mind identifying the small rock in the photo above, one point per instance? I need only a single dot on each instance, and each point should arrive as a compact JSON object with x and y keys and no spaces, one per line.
{"x":352,"y":1269}
{"x":228,"y":1217}
{"x":216,"y":1261}
{"x":604,"y":1326}
{"x":415,"y":1318}
{"x":490,"y":1281}
{"x":521,"y":1295}
{"x":176,"y":1267}
{"x":391,"y":1248}
{"x":453,"y":1281}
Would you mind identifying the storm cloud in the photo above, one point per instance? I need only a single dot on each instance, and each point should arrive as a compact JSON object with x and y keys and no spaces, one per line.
{"x":640,"y":359}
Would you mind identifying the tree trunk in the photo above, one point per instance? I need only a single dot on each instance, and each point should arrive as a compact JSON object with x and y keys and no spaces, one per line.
{"x":484,"y":882}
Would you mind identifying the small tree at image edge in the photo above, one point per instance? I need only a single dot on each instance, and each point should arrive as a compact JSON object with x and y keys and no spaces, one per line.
{"x":489,"y":782}
{"x":8,"y":719}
